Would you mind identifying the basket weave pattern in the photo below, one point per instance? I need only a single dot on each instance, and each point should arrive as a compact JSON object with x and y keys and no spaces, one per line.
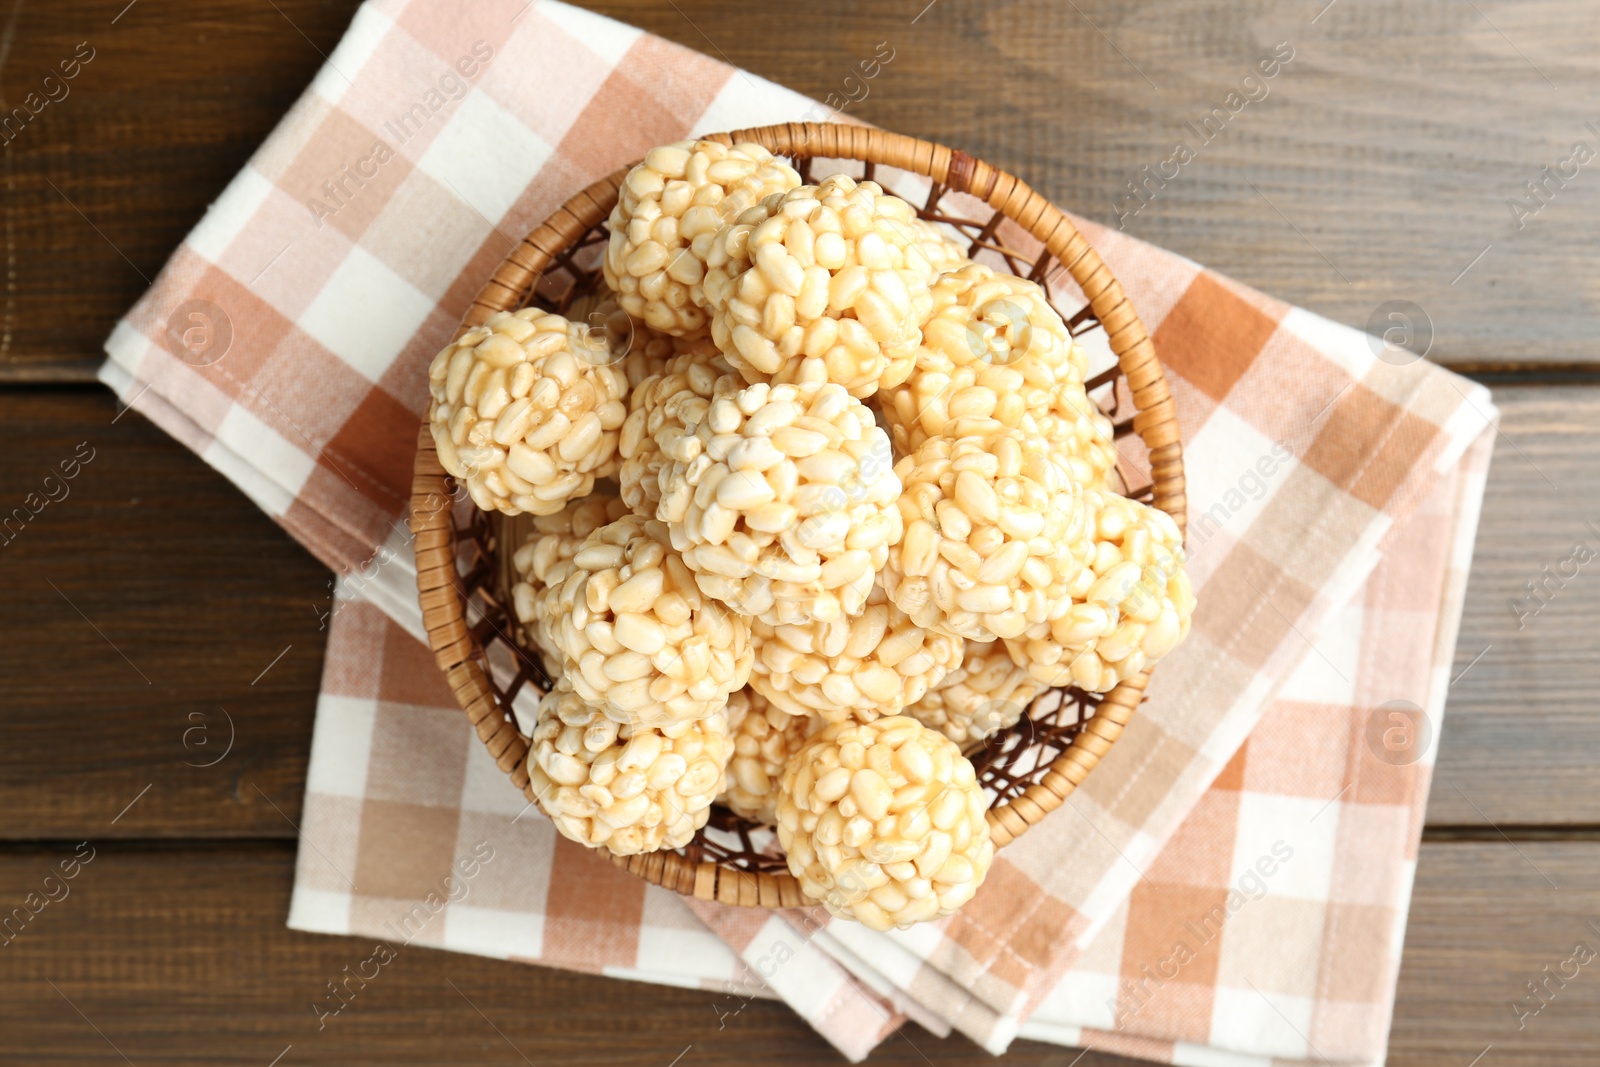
{"x":463,"y":570}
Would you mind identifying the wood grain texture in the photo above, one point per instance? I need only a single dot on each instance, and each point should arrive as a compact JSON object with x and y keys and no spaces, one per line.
{"x":179,"y":955}
{"x":1520,"y":731}
{"x":100,"y":187}
{"x":1485,"y":920}
{"x":1379,"y":163}
{"x":143,"y":608}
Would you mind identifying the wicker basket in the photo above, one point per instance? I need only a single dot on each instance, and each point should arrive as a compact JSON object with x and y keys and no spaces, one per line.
{"x":462,"y":553}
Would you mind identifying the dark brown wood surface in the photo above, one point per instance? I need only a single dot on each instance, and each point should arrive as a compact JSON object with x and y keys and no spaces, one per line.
{"x":145,"y":608}
{"x":153,"y":613}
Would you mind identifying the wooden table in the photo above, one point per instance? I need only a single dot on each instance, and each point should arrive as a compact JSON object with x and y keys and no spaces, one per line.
{"x":1381,"y":166}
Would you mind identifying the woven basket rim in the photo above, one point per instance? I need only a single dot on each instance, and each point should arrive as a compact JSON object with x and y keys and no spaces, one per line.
{"x":458,"y":649}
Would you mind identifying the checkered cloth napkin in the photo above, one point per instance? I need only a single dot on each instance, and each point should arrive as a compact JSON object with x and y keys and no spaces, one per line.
{"x":1204,"y":899}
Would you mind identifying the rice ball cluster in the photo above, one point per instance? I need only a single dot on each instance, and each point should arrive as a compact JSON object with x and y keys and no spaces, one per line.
{"x":673,"y":398}
{"x":995,"y":348}
{"x":545,"y":560}
{"x":996,"y":533}
{"x":874,"y":664}
{"x":637,"y":639}
{"x":637,"y":350}
{"x":782,"y":500}
{"x":764,"y":738}
{"x":625,"y":788}
{"x":987,"y":693}
{"x":944,"y":252}
{"x":861,"y":518}
{"x":884,"y":822}
{"x":1131,"y":605}
{"x":525,"y":411}
{"x":824,"y":283}
{"x":670,"y":208}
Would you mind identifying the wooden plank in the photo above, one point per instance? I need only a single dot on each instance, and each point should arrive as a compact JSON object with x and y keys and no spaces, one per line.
{"x":1486,"y":919}
{"x":1520,"y":731}
{"x":145,"y":605}
{"x":1376,"y":168}
{"x":240,"y":988}
{"x":201,"y":592}
{"x":172,"y":103}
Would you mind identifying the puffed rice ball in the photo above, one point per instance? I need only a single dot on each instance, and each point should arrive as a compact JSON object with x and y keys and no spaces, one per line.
{"x":764,"y":737}
{"x":627,"y":789}
{"x":986,"y":694}
{"x":996,"y":534}
{"x":638,"y":639}
{"x":544,"y":560}
{"x":995,"y":348}
{"x":669,"y":210}
{"x":945,"y":253}
{"x":1132,"y":605}
{"x":827,"y":282}
{"x":674,"y":397}
{"x":526,"y":410}
{"x":782,"y":501}
{"x":884,"y":822}
{"x":635,"y":348}
{"x":874,"y":664}
{"x":1081,"y":434}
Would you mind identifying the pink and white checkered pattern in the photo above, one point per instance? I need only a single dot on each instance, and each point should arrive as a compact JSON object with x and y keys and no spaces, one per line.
{"x":1333,"y":500}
